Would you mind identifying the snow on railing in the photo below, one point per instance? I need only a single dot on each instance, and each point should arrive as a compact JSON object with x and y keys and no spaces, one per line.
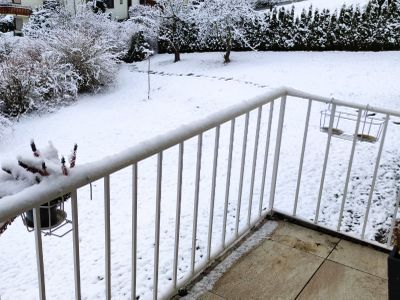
{"x":268,"y":183}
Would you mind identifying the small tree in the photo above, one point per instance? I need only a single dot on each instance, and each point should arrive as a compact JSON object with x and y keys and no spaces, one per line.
{"x":224,"y":20}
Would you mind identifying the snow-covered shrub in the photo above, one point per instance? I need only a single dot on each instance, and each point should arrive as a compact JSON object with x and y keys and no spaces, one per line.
{"x":45,"y":18}
{"x":8,"y":43}
{"x":89,"y":56}
{"x":33,"y":77}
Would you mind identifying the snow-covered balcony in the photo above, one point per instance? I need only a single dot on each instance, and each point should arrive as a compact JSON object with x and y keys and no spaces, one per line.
{"x":165,"y":210}
{"x":14,"y":8}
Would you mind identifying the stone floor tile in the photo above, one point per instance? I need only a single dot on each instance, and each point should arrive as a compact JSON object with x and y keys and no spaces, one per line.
{"x":304,"y":239}
{"x":271,"y":271}
{"x":210,"y":296}
{"x":335,"y":281}
{"x":361,"y":258}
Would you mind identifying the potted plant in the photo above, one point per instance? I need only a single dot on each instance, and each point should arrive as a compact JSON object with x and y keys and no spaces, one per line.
{"x":394,"y":265}
{"x":32,"y":170}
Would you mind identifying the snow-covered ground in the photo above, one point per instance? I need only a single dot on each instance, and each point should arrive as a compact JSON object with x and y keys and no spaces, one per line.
{"x":180,"y":93}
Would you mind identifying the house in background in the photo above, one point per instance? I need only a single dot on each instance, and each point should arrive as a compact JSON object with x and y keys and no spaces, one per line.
{"x":19,"y":10}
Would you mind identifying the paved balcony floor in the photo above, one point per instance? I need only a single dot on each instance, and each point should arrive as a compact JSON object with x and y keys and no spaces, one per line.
{"x":299,"y":263}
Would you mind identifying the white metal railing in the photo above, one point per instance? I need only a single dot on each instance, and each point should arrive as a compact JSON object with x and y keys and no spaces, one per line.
{"x":33,"y":197}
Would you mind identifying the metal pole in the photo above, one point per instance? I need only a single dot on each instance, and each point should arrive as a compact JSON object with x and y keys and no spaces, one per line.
{"x":346,"y":186}
{"x":134,"y":229}
{"x":212,"y":200}
{"x":239,"y":203}
{"x":253,"y":171}
{"x":277,"y":152}
{"x":75,"y":241}
{"x":228,"y":181}
{"x":378,"y":159}
{"x":328,"y":146}
{"x":178,"y":214}
{"x":266,"y":153}
{"x":157,"y":225}
{"x":39,"y":253}
{"x":107,"y":235}
{"x":303,"y":149}
{"x":196,"y":203}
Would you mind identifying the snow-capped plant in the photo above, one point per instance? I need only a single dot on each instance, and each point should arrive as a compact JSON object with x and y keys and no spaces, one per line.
{"x":32,"y":169}
{"x":224,"y":20}
{"x":34,"y":78}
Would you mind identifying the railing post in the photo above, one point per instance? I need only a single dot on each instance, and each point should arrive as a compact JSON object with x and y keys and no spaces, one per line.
{"x":396,"y":208}
{"x":328,"y":146}
{"x":303,"y":149}
{"x":107,"y":235}
{"x":253,"y":171}
{"x":157,"y":225}
{"x":277,"y":152}
{"x":178,"y":215}
{"x":266,"y":153}
{"x":196,"y":202}
{"x":134,"y":229}
{"x":378,"y":159}
{"x":212,"y":199}
{"x":228,"y":181}
{"x":39,"y":253}
{"x":244,"y":147}
{"x":75,"y":238}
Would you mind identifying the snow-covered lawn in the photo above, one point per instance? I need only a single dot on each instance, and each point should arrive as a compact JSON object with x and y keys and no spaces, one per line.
{"x":200,"y":84}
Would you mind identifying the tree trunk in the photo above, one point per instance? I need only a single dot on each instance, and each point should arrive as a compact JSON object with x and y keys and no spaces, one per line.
{"x":177,"y":56}
{"x":228,"y":48}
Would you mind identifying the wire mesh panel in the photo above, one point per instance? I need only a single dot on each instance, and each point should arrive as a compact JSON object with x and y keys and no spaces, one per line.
{"x":370,"y":129}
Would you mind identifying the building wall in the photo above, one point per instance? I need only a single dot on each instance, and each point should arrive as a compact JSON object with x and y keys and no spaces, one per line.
{"x":120,"y":10}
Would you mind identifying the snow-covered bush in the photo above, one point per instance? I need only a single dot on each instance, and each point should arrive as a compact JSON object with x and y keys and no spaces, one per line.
{"x":89,"y":56}
{"x":8,"y":43}
{"x":33,"y":77}
{"x":224,"y":20}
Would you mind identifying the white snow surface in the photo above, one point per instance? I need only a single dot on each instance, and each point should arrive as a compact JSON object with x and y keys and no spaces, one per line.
{"x":199,"y":85}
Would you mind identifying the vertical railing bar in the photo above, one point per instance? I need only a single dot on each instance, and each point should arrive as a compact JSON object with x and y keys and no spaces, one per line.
{"x":266,"y":153}
{"x":157,"y":225}
{"x":178,"y":214}
{"x":396,"y":207}
{"x":349,"y":167}
{"x":277,"y":151}
{"x":303,"y":149}
{"x":196,"y":203}
{"x":214,"y":181}
{"x":75,"y":241}
{"x":253,"y":171}
{"x":378,"y":159}
{"x":228,"y":181}
{"x":328,"y":146}
{"x":39,"y":253}
{"x":239,"y":202}
{"x":134,"y":229}
{"x":107,"y":235}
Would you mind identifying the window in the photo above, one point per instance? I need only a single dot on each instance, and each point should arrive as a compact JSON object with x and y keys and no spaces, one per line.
{"x":109,"y":3}
{"x":16,"y":1}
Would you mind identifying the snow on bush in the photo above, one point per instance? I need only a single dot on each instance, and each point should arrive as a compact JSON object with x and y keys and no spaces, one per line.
{"x":33,"y":77}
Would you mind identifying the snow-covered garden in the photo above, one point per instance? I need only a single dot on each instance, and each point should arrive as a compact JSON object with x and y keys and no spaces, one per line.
{"x":77,"y":90}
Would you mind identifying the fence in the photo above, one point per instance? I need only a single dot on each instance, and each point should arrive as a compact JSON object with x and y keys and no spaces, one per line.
{"x":32,"y":198}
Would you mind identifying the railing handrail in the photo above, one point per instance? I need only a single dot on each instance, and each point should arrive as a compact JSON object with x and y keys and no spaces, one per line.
{"x":49,"y":188}
{"x":84,"y":174}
